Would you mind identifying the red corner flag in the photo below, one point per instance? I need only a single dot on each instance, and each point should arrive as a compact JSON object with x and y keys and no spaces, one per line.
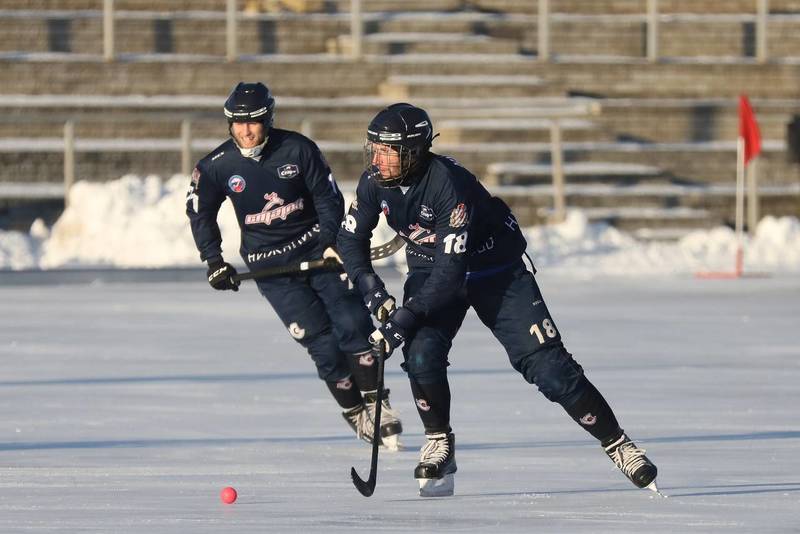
{"x":748,"y":130}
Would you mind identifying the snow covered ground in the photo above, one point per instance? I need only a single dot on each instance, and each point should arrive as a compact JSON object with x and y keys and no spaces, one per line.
{"x":128,"y":404}
{"x":140,"y":222}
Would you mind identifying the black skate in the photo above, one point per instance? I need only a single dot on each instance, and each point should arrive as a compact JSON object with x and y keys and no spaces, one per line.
{"x":391,"y":427}
{"x":633,"y":463}
{"x":437,"y":463}
{"x":360,"y":421}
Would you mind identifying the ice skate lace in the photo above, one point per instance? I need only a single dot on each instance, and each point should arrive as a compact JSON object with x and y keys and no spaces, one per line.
{"x":436,"y":450}
{"x":628,"y":457}
{"x":388,"y":415}
{"x":363,"y":423}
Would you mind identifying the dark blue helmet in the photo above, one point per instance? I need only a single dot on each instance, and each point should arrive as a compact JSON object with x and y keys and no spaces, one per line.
{"x":399,"y":137}
{"x":250,"y":102}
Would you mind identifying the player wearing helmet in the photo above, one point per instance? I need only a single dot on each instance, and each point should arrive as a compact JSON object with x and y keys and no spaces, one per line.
{"x":289,"y":207}
{"x":464,"y":249}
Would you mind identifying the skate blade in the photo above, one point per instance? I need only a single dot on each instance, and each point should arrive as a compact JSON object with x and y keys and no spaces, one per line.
{"x":437,"y":487}
{"x":652,"y":487}
{"x":392,"y":443}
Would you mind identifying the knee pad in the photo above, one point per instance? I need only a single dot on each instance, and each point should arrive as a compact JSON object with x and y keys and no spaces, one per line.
{"x":424,"y":369}
{"x":553,"y":370}
{"x":323,"y":348}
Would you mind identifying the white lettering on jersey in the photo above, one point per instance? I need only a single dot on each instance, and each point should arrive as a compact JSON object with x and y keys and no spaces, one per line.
{"x":268,"y":215}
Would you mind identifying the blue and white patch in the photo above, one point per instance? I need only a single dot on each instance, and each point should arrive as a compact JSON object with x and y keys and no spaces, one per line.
{"x":385,"y":208}
{"x":290,"y":170}
{"x":236,"y":183}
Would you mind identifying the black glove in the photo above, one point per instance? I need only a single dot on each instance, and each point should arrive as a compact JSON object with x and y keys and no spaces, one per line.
{"x":220,"y":275}
{"x":395,"y":330}
{"x":379,"y":302}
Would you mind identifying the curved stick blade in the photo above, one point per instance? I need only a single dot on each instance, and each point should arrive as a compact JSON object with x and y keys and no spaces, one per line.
{"x":365,"y":488}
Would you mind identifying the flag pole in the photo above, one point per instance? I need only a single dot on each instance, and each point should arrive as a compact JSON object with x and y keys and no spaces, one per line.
{"x":739,"y":204}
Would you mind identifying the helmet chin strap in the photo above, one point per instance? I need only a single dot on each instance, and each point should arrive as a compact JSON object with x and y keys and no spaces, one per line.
{"x":252,"y":152}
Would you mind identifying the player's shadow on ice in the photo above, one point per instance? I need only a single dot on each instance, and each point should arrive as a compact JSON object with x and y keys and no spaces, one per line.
{"x":243,"y":377}
{"x":156,"y":443}
{"x":735,"y":489}
{"x":717,"y":490}
{"x":750,"y":436}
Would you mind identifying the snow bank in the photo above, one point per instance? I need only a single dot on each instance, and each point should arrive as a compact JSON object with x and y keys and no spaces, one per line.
{"x":140,"y":222}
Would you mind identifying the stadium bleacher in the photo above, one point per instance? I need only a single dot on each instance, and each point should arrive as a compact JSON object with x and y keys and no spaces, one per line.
{"x":648,"y":145}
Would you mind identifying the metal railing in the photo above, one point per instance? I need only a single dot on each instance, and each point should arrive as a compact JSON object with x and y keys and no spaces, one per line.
{"x":359,"y":18}
{"x":188,"y":146}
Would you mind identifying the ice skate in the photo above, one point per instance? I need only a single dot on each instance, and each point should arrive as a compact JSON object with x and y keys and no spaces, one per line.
{"x":391,"y":427}
{"x":633,"y":463}
{"x":360,"y":421}
{"x":437,"y":463}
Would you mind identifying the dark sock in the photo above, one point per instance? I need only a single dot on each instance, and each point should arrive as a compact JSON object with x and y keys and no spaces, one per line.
{"x":593,"y":413}
{"x":433,"y":405}
{"x":364,"y":367}
{"x":345,"y":392}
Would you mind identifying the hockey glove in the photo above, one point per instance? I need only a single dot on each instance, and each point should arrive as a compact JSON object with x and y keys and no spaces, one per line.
{"x":220,"y":275}
{"x":394,"y":331}
{"x":379,"y":302}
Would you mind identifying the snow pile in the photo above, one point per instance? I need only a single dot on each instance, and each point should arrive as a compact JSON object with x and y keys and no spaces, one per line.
{"x":581,"y":248}
{"x":141,"y":222}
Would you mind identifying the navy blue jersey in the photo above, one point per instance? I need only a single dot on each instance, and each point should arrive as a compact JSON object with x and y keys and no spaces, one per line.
{"x":284,"y":202}
{"x":450,"y":223}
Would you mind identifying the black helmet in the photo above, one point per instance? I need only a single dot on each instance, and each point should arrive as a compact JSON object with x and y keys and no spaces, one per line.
{"x":404,"y":132}
{"x":250,"y":102}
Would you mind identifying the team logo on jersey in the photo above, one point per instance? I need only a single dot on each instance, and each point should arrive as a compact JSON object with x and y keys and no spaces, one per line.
{"x":349,"y":223}
{"x":287,"y":171}
{"x":296,"y":332}
{"x":274,"y":209}
{"x":420,"y":235}
{"x":423,"y":405}
{"x":588,"y":419}
{"x":458,"y":217}
{"x":385,"y":208}
{"x":236,"y":183}
{"x":426,"y":214}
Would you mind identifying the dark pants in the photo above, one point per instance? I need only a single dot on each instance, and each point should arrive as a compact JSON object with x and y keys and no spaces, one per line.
{"x":510,"y":304}
{"x":324,"y":316}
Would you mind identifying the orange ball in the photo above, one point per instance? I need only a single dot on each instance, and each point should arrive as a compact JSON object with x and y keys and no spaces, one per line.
{"x":228,"y":495}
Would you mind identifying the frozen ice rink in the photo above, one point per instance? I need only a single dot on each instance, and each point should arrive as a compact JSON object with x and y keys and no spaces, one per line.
{"x":127,"y":405}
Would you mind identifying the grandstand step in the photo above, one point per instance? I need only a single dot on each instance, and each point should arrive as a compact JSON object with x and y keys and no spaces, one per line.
{"x":465,"y":85}
{"x":31,"y":190}
{"x":716,"y":197}
{"x":518,"y":173}
{"x":487,"y":6}
{"x":633,"y":218}
{"x":513,"y":129}
{"x":665,"y":233}
{"x":425,"y":43}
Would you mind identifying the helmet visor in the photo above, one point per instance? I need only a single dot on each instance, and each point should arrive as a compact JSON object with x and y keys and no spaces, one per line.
{"x":387,"y":164}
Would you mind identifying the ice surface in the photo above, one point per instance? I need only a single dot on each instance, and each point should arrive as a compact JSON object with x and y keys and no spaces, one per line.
{"x":127,"y":405}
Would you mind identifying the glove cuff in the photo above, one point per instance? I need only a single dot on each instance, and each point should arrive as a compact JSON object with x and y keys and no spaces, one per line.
{"x":215,"y":262}
{"x":404,"y":318}
{"x":369,"y":282}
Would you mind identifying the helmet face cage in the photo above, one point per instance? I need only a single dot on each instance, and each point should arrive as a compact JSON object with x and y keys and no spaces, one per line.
{"x":390,"y":164}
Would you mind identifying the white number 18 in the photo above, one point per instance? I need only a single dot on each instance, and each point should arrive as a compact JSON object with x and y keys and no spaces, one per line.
{"x":549,"y":330}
